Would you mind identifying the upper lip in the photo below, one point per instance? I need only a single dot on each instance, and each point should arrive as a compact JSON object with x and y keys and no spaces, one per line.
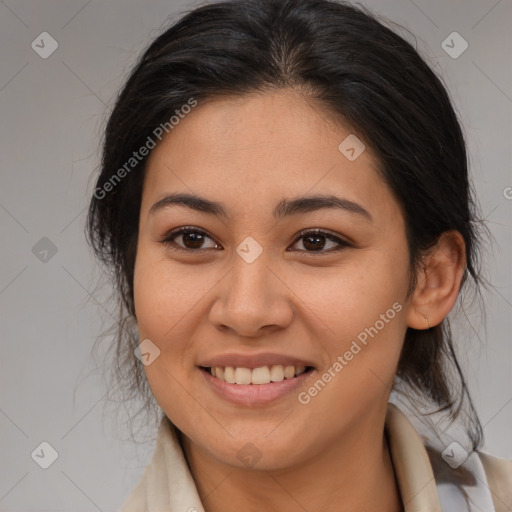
{"x":252,"y":361}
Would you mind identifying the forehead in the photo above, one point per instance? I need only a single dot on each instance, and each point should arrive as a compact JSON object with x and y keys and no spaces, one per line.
{"x":259,"y":148}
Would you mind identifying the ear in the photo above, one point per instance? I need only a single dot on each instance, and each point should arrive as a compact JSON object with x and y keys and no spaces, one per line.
{"x":438,"y":282}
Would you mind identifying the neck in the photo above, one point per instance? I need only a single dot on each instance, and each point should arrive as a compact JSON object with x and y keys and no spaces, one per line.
{"x":356,"y":473}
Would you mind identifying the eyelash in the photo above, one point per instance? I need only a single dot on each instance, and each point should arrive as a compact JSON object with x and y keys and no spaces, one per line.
{"x":168,"y":240}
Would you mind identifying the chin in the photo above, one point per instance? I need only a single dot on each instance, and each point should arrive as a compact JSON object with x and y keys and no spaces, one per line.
{"x":259,"y":454}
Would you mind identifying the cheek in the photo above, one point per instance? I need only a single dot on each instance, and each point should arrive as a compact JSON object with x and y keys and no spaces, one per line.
{"x":167,"y":301}
{"x":363,"y":313}
{"x":360,"y":310}
{"x":162,"y":295}
{"x":161,"y":306}
{"x":348,"y":298}
{"x":148,"y":299}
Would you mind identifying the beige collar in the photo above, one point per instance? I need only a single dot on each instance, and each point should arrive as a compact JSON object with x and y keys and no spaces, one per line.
{"x":412,"y":466}
{"x":167,"y":484}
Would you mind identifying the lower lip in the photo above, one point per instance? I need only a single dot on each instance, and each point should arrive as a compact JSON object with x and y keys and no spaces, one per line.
{"x":253,"y":395}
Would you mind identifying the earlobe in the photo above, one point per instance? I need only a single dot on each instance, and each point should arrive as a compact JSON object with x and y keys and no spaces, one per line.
{"x":438,"y":282}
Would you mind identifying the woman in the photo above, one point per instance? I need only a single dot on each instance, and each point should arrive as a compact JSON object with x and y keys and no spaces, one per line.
{"x":284,"y":201}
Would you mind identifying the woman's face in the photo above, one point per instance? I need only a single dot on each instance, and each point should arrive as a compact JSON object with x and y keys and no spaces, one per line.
{"x":252,"y":291}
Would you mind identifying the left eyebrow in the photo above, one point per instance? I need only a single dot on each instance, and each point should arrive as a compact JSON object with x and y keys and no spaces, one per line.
{"x":308,"y":204}
{"x":284,"y":208}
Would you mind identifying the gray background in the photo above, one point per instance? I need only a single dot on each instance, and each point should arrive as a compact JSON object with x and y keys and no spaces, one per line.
{"x":52,"y":112}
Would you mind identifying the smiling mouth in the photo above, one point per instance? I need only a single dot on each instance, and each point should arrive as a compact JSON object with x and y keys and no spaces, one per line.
{"x":256,"y":376}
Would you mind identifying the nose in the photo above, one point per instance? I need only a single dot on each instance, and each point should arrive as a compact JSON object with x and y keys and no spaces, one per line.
{"x":252,"y":300}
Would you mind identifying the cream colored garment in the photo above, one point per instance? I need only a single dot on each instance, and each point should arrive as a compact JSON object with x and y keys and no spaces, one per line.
{"x":167,"y":484}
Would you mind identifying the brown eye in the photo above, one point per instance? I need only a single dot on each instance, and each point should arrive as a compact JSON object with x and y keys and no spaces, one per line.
{"x":192,"y":239}
{"x":316,"y":240}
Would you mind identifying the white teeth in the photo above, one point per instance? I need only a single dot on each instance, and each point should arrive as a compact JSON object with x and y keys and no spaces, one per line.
{"x":277,"y":373}
{"x":243,"y":376}
{"x":289,"y":372}
{"x":260,"y":375}
{"x":229,"y":374}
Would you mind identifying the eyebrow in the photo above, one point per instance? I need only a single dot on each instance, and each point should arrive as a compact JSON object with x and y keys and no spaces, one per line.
{"x":284,"y":208}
